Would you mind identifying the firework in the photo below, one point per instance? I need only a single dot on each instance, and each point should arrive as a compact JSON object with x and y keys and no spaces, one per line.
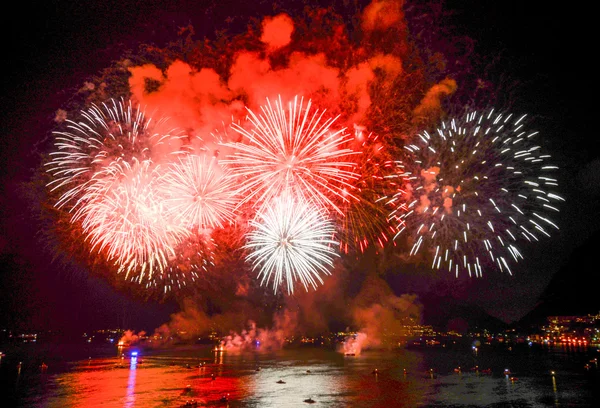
{"x":293,"y":148}
{"x":199,"y":193}
{"x":474,"y":189}
{"x":364,"y":221}
{"x":105,"y":174}
{"x":123,"y":219}
{"x":113,"y":132}
{"x":191,"y":261}
{"x":291,"y":240}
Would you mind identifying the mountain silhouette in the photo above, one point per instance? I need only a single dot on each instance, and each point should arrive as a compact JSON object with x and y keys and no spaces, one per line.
{"x":573,"y":290}
{"x":449,"y":314}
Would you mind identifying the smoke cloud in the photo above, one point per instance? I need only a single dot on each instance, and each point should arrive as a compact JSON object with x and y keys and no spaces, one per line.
{"x":277,"y":31}
{"x":347,"y":74}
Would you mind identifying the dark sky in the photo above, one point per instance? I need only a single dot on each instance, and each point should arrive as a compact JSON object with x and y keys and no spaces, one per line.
{"x":50,"y":52}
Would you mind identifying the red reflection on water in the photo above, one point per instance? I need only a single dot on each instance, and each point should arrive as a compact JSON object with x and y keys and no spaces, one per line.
{"x":375,"y":391}
{"x":112,"y":382}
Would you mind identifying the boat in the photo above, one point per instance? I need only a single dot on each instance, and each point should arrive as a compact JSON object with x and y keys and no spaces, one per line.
{"x":310,"y":401}
{"x":280,"y":382}
{"x":224,"y":398}
{"x":190,"y":404}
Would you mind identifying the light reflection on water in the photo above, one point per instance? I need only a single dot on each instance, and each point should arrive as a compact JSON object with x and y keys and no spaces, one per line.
{"x":286,"y":378}
{"x":130,"y":397}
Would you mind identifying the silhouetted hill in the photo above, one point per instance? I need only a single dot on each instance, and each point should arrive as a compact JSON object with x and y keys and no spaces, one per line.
{"x":445,"y":313}
{"x":573,"y":291}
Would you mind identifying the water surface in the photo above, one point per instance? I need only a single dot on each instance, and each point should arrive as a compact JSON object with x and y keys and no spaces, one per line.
{"x":94,"y":376}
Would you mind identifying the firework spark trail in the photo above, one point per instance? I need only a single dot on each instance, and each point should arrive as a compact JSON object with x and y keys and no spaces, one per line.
{"x":365,"y":220}
{"x":474,"y":188}
{"x":104,"y":170}
{"x":115,"y":131}
{"x":124,"y":220}
{"x":291,"y":240}
{"x":199,"y":193}
{"x":193,"y":257}
{"x":296,"y":149}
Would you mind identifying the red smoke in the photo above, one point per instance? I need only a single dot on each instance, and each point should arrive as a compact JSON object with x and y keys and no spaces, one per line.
{"x":361,"y":75}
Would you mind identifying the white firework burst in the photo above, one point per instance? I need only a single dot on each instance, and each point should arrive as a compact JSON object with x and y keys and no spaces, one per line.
{"x":199,"y":193}
{"x":475,"y":188}
{"x":292,"y":240}
{"x":296,"y":149}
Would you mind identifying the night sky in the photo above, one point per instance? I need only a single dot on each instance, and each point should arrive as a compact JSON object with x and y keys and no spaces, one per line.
{"x":49,"y":53}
